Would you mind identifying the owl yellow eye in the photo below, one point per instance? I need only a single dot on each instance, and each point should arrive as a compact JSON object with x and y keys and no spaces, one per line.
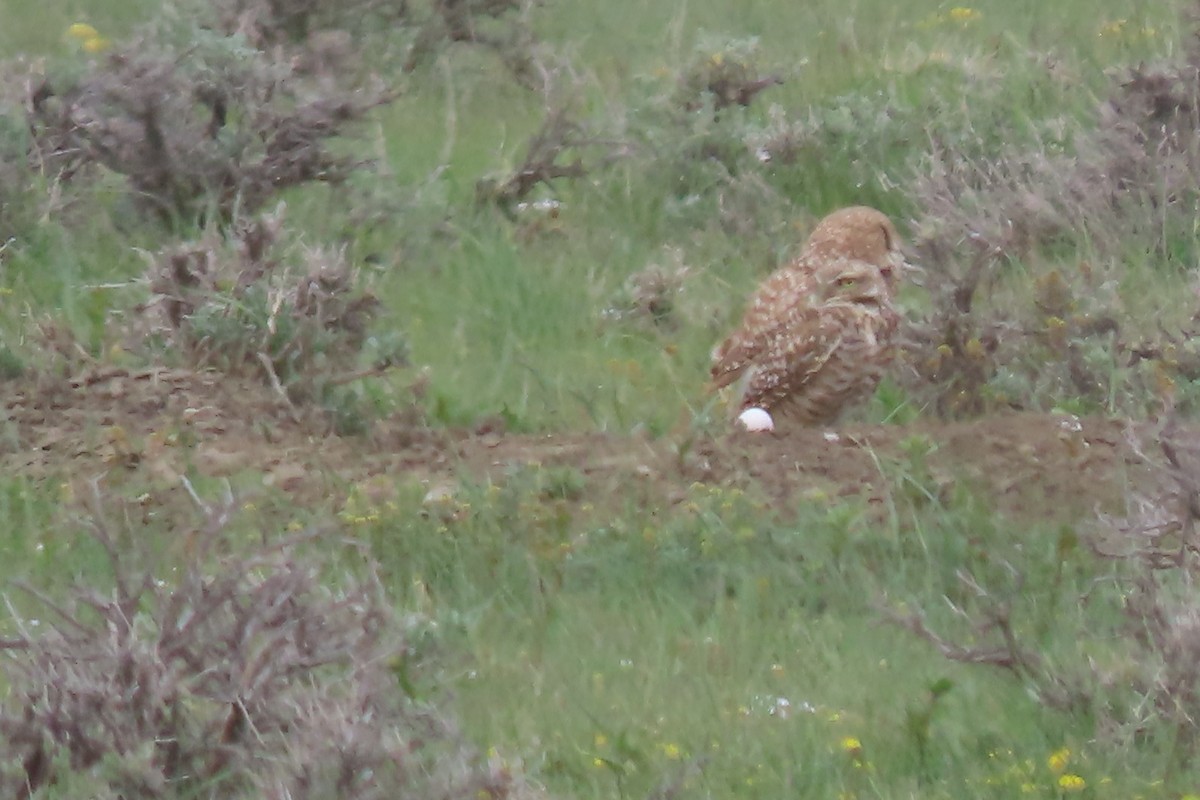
{"x":847,"y":280}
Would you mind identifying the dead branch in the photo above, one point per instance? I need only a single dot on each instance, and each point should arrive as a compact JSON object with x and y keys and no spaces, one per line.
{"x":558,"y":134}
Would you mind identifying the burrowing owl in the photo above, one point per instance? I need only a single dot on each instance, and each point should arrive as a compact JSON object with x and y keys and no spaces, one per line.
{"x":816,"y":335}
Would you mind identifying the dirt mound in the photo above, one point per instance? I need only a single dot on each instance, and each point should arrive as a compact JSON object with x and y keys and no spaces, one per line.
{"x":161,"y":424}
{"x":1039,"y":464}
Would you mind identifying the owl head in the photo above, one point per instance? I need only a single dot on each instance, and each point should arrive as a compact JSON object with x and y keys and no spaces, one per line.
{"x":859,"y":234}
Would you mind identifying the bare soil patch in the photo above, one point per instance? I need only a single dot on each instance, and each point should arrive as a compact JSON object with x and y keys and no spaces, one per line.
{"x":157,"y":424}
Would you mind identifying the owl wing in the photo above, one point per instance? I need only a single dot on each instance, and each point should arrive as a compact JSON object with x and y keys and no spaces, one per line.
{"x":780,"y":296}
{"x":792,"y":355}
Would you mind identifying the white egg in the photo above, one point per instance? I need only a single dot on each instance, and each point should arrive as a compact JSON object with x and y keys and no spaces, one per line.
{"x":756,"y":419}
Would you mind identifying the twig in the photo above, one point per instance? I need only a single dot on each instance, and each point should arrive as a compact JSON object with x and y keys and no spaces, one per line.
{"x":269,"y":368}
{"x":358,"y":375}
{"x":1003,"y":657}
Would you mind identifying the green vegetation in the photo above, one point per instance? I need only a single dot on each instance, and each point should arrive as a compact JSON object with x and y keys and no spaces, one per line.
{"x":264,"y":247}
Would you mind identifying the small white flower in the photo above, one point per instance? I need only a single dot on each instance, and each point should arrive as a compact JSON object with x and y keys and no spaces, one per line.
{"x":1071,"y":424}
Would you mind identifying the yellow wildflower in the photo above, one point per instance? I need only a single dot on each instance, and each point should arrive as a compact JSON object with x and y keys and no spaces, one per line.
{"x":82,"y":31}
{"x":672,"y":751}
{"x":962,"y":14}
{"x":1057,"y":762}
{"x":96,"y":44}
{"x":852,"y":745}
{"x":1071,"y":783}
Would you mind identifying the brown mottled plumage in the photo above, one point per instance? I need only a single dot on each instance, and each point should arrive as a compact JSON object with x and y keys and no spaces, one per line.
{"x":816,"y":336}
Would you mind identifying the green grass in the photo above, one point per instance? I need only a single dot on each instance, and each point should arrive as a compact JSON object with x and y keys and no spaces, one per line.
{"x":619,"y":650}
{"x":42,"y":32}
{"x":630,"y":648}
{"x":609,"y":652}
